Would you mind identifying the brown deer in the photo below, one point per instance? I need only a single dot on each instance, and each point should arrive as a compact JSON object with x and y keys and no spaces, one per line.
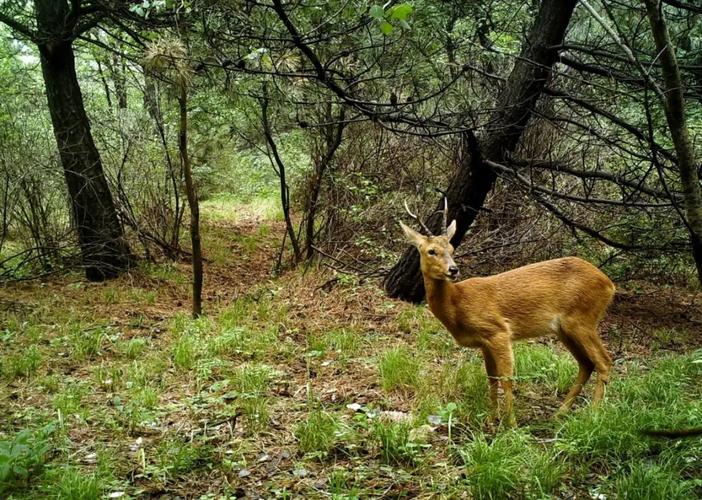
{"x":565,"y":297}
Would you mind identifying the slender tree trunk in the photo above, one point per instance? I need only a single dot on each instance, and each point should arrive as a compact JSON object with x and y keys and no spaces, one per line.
{"x":279,"y":167}
{"x":675,"y":114}
{"x":332,"y":140}
{"x":474,"y":179}
{"x":118,"y":70}
{"x":191,"y":192}
{"x":104,"y":250}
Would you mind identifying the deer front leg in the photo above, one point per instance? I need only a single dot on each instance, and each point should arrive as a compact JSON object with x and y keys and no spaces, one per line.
{"x":501,"y":350}
{"x":493,"y":380}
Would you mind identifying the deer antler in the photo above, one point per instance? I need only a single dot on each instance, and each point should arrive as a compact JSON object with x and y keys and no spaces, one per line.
{"x":445,"y":215}
{"x":426,"y":229}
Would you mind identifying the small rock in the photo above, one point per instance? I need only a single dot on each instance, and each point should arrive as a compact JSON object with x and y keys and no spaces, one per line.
{"x":434,"y":420}
{"x":395,"y":416}
{"x":136,"y":444}
{"x":264,"y":458}
{"x":116,"y":494}
{"x":354,"y":406}
{"x":244,"y":473}
{"x":301,"y":472}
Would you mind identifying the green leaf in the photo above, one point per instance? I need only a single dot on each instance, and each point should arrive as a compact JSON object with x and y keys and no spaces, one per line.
{"x":401,"y":12}
{"x":386,"y":28}
{"x":377,"y":11}
{"x":404,"y":24}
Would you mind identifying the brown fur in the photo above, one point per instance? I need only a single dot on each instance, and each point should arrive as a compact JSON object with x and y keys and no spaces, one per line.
{"x":565,"y":297}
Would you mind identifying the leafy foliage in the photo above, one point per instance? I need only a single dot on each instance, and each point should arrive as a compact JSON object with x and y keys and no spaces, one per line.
{"x":23,"y":456}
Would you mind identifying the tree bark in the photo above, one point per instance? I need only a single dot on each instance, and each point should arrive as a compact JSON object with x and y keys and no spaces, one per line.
{"x":193,"y":202}
{"x":104,"y":250}
{"x":474,"y":179}
{"x":675,"y":115}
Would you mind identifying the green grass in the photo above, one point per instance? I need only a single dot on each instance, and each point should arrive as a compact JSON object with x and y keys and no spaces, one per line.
{"x":69,"y":401}
{"x":184,"y":352}
{"x":509,"y":466}
{"x":666,"y":396}
{"x":70,"y":482}
{"x":252,"y":379}
{"x":317,"y":433}
{"x":135,"y":347}
{"x":646,"y":481}
{"x":344,"y":344}
{"x":399,"y":370}
{"x":88,"y":343}
{"x":462,"y":384}
{"x":256,"y":412}
{"x":175,"y":455}
{"x":24,"y":364}
{"x":358,"y":409}
{"x":395,"y":444}
{"x":543,"y":364}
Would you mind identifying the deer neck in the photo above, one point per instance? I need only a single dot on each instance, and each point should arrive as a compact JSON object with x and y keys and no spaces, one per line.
{"x":440,"y":295}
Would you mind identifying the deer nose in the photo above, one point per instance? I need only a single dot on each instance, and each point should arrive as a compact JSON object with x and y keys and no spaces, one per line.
{"x":453,"y":270}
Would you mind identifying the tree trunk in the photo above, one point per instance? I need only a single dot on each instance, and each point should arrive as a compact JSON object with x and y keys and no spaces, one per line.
{"x":675,"y":114}
{"x":105,"y":252}
{"x":474,"y":179}
{"x":193,"y":202}
{"x":332,"y":140}
{"x":279,"y":168}
{"x":118,"y":71}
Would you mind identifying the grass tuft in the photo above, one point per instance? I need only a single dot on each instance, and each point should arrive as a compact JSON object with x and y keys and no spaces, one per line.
{"x":317,"y":433}
{"x":510,"y":466}
{"x":644,"y":481}
{"x":394,"y":443}
{"x":399,"y":370}
{"x":25,"y":364}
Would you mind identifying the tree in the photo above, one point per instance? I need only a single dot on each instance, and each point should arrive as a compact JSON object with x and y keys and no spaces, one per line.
{"x":105,"y":252}
{"x":169,"y":58}
{"x":674,"y":105}
{"x":474,"y":178}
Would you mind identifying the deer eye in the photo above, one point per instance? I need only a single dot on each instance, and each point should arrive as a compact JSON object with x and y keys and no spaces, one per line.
{"x":432,"y":252}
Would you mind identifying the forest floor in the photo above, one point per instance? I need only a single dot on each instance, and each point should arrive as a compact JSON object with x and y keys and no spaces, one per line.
{"x":315,"y":385}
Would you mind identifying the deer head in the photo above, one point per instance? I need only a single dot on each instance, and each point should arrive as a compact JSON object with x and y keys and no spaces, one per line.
{"x":435,"y":252}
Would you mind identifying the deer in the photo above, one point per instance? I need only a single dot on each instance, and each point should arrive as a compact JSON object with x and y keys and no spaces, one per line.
{"x":566,"y":297}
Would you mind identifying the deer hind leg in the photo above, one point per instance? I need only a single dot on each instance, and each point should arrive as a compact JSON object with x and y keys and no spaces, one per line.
{"x":603,"y":365}
{"x":586,"y":366}
{"x":493,"y":380}
{"x":589,"y":343}
{"x":502,"y":354}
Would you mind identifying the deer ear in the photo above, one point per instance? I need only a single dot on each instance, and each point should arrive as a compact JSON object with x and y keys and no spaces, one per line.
{"x":413,"y":237}
{"x":451,"y":230}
